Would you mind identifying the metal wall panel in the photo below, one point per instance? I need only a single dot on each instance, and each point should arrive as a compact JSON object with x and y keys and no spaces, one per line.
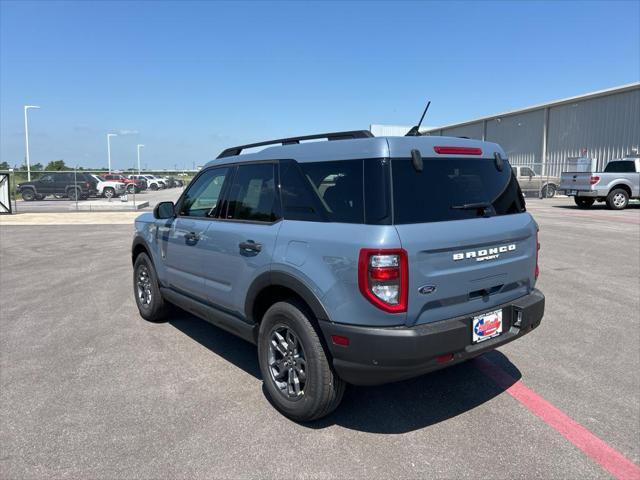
{"x":473,"y":130}
{"x":520,"y":136}
{"x":607,"y":127}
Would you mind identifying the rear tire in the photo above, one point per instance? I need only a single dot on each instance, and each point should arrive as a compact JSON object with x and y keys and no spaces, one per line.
{"x":298,"y":359}
{"x":28,"y":195}
{"x":74,"y":194}
{"x":109,"y":192}
{"x":549,"y":191}
{"x":131,"y":188}
{"x":153,"y":187}
{"x":618,"y":199}
{"x":151,"y":305}
{"x":583,"y":202}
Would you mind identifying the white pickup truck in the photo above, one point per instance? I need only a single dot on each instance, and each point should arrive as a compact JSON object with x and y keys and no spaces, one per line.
{"x":109,"y":188}
{"x":619,"y":182}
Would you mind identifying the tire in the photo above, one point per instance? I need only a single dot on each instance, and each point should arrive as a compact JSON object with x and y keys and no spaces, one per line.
{"x":549,"y":191}
{"x":39,"y":196}
{"x":153,"y":186}
{"x":583,"y":202}
{"x":320,"y":389}
{"x":74,"y":194}
{"x":109,"y":192}
{"x":618,"y":199}
{"x":131,"y":188}
{"x":151,"y":305}
{"x":28,"y":195}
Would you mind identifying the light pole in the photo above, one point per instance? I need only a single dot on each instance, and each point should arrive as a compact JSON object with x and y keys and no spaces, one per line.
{"x":26,"y":139}
{"x":139,"y":146}
{"x":109,"y":135}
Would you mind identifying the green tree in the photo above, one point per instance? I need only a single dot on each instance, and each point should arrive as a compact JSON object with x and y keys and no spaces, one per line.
{"x":36,"y":166}
{"x":56,"y":165}
{"x":4,"y":166}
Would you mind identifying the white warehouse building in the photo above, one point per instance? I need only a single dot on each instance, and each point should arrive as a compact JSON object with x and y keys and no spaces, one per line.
{"x":602,"y":125}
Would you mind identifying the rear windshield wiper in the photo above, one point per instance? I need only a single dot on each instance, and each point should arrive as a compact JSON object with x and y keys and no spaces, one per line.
{"x":471,"y":206}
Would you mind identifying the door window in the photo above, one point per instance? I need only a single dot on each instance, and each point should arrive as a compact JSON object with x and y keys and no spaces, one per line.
{"x":527,"y":172}
{"x":201,"y":199}
{"x":253,"y":194}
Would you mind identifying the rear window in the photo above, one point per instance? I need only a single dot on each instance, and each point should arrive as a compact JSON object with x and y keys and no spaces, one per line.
{"x":624,"y":166}
{"x":453,"y":189}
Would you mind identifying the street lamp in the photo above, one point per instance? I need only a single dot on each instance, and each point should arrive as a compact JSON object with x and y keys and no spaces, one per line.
{"x":109,"y":135}
{"x":138,"y":147}
{"x":26,"y":139}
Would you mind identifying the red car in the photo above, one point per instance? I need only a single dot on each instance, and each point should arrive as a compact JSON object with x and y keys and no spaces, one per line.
{"x":132,"y":185}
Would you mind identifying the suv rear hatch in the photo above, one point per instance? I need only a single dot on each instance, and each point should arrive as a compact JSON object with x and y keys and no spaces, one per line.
{"x":470,"y":245}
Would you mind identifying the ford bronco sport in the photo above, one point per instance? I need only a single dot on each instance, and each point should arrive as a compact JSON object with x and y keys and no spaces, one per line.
{"x":357,"y":260}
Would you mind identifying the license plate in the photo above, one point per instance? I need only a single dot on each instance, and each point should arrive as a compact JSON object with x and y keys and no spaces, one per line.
{"x":486,"y":326}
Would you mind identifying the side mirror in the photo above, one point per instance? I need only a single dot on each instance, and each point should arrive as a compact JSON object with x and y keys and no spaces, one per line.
{"x":164,"y":210}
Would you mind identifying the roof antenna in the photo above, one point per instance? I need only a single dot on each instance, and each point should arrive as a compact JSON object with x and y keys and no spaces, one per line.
{"x":415,"y":131}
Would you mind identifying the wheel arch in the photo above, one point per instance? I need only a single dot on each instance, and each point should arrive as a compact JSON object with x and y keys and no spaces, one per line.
{"x":271,"y":287}
{"x":139,"y":246}
{"x":622,"y":186}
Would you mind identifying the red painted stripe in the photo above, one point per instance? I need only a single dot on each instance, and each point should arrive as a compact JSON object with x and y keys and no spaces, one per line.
{"x":611,"y":460}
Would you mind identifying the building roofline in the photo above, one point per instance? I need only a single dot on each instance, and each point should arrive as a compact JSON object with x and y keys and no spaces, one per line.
{"x":598,"y":93}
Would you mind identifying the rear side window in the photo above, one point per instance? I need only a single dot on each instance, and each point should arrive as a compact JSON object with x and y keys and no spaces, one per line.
{"x":253,"y":194}
{"x":624,"y":166}
{"x":453,"y":189}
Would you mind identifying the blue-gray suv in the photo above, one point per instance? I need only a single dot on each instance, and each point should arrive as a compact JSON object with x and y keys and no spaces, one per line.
{"x":358,"y":259}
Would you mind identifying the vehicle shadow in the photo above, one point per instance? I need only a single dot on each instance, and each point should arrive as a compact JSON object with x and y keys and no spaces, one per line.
{"x":394,"y":408}
{"x":598,"y":206}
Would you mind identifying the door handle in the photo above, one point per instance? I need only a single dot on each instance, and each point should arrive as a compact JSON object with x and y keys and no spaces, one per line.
{"x":191,"y":238}
{"x":250,"y":246}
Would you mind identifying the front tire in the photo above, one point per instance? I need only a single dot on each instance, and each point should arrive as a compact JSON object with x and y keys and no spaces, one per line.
{"x":109,"y":192}
{"x":151,"y":305}
{"x":297,"y":374}
{"x":153,"y":187}
{"x":583,"y":202}
{"x":28,"y":195}
{"x":618,"y":199}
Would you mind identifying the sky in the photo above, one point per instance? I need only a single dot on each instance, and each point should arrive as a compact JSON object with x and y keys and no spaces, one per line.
{"x":188,"y":79}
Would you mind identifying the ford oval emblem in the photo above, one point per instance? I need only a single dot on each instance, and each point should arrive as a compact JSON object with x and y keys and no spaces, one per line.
{"x":426,"y":289}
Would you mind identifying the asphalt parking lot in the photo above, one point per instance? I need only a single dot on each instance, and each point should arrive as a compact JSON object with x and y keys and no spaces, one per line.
{"x":90,"y":390}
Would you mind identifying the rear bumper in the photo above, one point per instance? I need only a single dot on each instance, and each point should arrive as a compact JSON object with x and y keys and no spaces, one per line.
{"x":582,"y":193}
{"x":381,"y":355}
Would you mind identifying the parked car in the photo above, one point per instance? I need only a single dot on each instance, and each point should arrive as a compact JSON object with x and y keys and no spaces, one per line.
{"x":152,"y":182}
{"x":359,"y":260}
{"x":109,"y":188}
{"x":541,"y":185}
{"x":619,"y":182}
{"x":133,"y":186}
{"x":75,"y":186}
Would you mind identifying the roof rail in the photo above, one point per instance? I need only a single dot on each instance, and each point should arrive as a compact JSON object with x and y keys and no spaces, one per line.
{"x":230,"y":152}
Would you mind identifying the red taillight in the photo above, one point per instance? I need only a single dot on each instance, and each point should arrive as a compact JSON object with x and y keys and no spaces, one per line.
{"x":383,"y":278}
{"x":537,"y":270}
{"x":458,"y":150}
{"x":594,"y":179}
